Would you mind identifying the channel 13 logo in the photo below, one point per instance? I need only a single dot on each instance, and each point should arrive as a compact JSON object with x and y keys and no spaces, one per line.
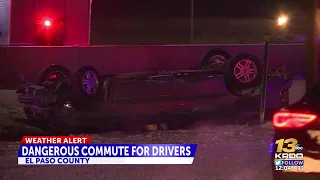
{"x":288,"y":149}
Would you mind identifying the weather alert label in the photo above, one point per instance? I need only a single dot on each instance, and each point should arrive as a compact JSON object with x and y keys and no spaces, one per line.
{"x":288,"y":155}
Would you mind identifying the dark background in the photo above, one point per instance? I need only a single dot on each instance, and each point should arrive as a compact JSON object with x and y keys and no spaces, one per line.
{"x":168,"y":21}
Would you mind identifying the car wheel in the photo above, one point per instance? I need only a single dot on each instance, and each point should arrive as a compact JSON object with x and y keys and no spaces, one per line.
{"x":215,"y":59}
{"x":55,"y":73}
{"x":86,"y":87}
{"x":244,"y":73}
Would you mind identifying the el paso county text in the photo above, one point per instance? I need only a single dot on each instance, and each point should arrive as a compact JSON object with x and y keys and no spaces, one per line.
{"x":55,"y":160}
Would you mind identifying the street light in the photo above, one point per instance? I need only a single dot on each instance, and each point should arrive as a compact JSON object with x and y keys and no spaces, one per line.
{"x":282,"y":20}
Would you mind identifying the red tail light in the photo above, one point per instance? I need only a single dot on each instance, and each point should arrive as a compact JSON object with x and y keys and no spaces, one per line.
{"x":292,"y":120}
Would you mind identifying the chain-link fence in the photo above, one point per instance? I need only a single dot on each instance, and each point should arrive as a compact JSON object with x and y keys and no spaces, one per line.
{"x":189,"y":22}
{"x":205,"y":31}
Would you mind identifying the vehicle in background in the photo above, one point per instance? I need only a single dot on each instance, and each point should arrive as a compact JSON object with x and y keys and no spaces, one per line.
{"x":296,"y":146}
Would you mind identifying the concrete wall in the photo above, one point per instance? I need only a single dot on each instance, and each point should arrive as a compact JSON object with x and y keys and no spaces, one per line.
{"x":25,"y":63}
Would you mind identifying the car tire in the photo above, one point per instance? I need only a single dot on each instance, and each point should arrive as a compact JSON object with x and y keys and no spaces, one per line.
{"x":61,"y":73}
{"x":85,"y":87}
{"x":214,"y":58}
{"x":244,"y":74}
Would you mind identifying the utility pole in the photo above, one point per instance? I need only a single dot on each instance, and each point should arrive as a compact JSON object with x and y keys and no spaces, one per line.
{"x":191,"y":21}
{"x":312,"y":44}
{"x":89,"y":35}
{"x":263,"y":94}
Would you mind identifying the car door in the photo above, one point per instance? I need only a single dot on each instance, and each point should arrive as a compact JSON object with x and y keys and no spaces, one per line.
{"x":200,"y":93}
{"x":142,"y":98}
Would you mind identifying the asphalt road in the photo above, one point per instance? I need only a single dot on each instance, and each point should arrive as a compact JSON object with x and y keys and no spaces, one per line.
{"x":224,"y":152}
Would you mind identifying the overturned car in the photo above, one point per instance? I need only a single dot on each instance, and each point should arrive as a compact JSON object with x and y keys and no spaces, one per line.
{"x":144,"y":96}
